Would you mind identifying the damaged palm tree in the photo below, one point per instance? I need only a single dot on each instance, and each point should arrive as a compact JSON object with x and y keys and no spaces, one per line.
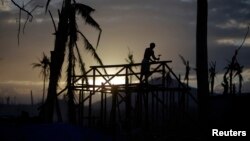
{"x":225,"y":83}
{"x":212,"y":74}
{"x":234,"y":68}
{"x":239,"y":70}
{"x":67,"y":36}
{"x":188,"y":68}
{"x":44,"y":64}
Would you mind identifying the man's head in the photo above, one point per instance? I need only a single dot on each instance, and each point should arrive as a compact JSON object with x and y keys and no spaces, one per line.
{"x":152,"y":45}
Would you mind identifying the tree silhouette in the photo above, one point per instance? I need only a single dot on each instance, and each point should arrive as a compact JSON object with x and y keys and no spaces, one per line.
{"x":212,"y":74}
{"x":225,"y":83}
{"x":67,"y":35}
{"x":130,"y":57}
{"x":239,"y":70}
{"x":188,"y":68}
{"x":234,"y":68}
{"x":44,"y":65}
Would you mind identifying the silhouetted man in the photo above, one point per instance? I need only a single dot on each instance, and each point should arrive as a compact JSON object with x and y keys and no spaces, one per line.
{"x":149,"y":56}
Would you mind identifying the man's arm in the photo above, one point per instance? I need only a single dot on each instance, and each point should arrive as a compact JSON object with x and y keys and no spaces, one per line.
{"x":153,"y":55}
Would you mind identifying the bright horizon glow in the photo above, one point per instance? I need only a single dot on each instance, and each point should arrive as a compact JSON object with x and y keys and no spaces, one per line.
{"x":100,"y":81}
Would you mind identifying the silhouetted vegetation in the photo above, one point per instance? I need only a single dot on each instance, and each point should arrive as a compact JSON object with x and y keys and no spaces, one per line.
{"x":66,"y":35}
{"x":44,"y":65}
{"x":234,"y":69}
{"x":130,"y":60}
{"x":130,"y":57}
{"x":187,"y":68}
{"x":212,"y":75}
{"x":29,"y":16}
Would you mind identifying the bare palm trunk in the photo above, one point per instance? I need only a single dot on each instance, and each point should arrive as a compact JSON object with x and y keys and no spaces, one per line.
{"x":201,"y":60}
{"x":70,"y":93}
{"x":57,"y":58}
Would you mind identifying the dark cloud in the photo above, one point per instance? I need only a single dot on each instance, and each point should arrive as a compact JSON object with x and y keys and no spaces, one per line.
{"x":228,"y":18}
{"x":222,"y":10}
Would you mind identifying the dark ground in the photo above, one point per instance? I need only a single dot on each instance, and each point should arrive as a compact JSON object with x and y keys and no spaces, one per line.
{"x":225,"y":113}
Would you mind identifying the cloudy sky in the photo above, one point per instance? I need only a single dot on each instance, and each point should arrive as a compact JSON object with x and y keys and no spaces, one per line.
{"x":126,"y":24}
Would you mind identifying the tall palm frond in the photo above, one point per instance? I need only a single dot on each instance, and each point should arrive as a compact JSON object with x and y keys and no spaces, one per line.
{"x":81,"y":64}
{"x":90,"y":48}
{"x":183,"y":60}
{"x":245,"y":37}
{"x":85,"y":12}
{"x":47,"y":5}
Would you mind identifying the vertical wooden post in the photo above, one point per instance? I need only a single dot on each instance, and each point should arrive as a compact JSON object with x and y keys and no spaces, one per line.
{"x":113,"y":111}
{"x":102,"y":104}
{"x":152,"y":106}
{"x":145,"y":93}
{"x":80,"y":101}
{"x":128,"y":99}
{"x":80,"y":107}
{"x":139,"y":94}
{"x":163,"y":91}
{"x":90,"y":98}
{"x":171,"y":105}
{"x":83,"y":106}
{"x":179,"y":99}
{"x":105,"y":107}
{"x":157,"y":107}
{"x":90,"y":110}
{"x":113,"y":107}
